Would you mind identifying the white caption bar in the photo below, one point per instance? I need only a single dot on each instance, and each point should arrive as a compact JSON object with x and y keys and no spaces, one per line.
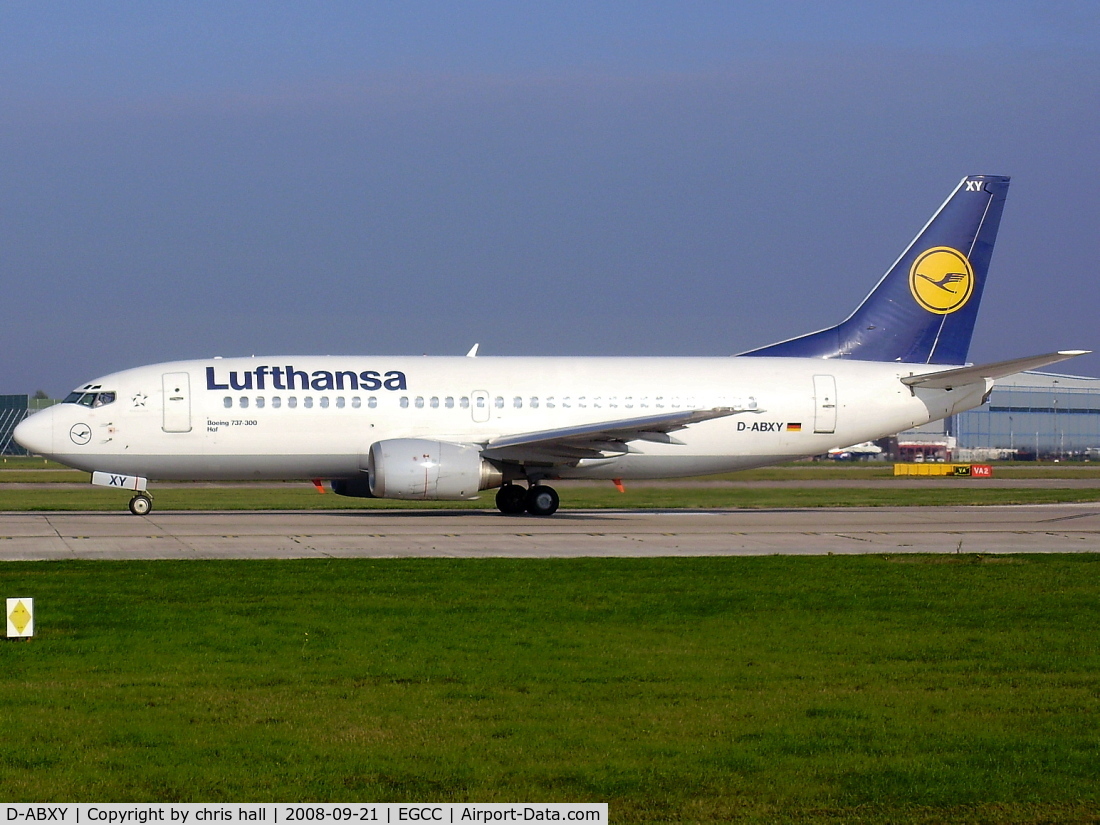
{"x":195,"y":813}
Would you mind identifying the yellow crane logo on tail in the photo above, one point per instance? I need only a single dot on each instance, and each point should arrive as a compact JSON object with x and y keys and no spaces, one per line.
{"x":941,"y":280}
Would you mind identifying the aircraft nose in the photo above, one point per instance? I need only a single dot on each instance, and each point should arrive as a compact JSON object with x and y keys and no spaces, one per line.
{"x":35,"y":433}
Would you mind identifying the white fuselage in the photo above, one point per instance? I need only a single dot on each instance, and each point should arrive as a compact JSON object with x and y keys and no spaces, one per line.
{"x":316,"y":417}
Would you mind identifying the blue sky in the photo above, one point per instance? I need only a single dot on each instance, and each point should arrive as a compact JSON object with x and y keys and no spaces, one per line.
{"x":186,"y":180}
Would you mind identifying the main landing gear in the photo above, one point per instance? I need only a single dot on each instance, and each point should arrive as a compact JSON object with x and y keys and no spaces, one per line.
{"x":141,"y":504}
{"x":538,"y":500}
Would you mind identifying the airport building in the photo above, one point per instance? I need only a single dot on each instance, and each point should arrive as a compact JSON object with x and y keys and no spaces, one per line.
{"x":1027,"y":416}
{"x":13,"y":409}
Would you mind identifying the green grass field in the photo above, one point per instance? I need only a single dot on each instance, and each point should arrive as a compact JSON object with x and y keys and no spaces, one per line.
{"x":26,"y":469}
{"x":304,"y":497}
{"x":825,"y":689}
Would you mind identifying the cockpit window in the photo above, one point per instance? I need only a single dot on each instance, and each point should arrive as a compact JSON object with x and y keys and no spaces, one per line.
{"x":89,"y":399}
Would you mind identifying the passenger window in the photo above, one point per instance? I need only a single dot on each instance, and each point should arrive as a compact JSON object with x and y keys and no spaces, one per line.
{"x":581,"y":402}
{"x":419,"y":402}
{"x":613,"y":402}
{"x":404,"y":402}
{"x":596,"y":402}
{"x":292,"y":402}
{"x":356,"y":403}
{"x":449,"y":402}
{"x":534,"y":402}
{"x":464,"y":402}
{"x":324,"y":401}
{"x":227,"y":402}
{"x":244,"y":403}
{"x":659,"y":402}
{"x":307,"y":402}
{"x":628,"y":402}
{"x":372,"y":402}
{"x":340,"y":403}
{"x":517,"y":402}
{"x":498,"y":402}
{"x":276,"y":402}
{"x":550,"y":403}
{"x":481,"y":402}
{"x":566,"y":402}
{"x":435,"y":402}
{"x":259,"y":402}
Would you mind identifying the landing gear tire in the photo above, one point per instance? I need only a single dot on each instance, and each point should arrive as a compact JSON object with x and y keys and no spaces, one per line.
{"x":511,"y":499}
{"x":542,"y":500}
{"x":140,"y":505}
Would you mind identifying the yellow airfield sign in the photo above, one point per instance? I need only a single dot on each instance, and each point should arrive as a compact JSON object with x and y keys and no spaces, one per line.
{"x":20,"y":613}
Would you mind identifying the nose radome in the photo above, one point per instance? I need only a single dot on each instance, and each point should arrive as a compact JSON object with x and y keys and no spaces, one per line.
{"x":35,"y":433}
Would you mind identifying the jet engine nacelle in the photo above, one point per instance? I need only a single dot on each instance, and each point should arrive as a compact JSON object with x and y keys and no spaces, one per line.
{"x":416,"y":468}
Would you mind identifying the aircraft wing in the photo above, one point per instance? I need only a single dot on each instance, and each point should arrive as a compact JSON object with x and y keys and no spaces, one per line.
{"x":949,"y":379}
{"x":568,"y":444}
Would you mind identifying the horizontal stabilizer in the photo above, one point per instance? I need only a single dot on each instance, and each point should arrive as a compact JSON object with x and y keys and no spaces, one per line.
{"x":948,"y":379}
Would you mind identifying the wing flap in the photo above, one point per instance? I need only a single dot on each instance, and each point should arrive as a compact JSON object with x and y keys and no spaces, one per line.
{"x":949,"y":379}
{"x":599,"y":439}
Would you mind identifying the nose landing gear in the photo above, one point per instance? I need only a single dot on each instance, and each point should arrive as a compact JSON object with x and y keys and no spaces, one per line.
{"x":141,"y":504}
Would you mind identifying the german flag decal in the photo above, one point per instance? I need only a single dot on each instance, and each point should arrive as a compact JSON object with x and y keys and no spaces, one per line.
{"x":795,"y":427}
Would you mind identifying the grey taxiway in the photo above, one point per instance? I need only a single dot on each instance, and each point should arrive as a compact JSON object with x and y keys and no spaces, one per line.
{"x":1047,"y":528}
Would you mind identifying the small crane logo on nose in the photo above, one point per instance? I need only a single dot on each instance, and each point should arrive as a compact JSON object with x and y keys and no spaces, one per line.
{"x":80,"y":434}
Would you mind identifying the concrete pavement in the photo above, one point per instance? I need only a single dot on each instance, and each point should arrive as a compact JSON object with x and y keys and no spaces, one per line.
{"x":1046,"y":528}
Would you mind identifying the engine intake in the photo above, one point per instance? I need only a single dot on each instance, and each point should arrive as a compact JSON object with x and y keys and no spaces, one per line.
{"x":416,"y":468}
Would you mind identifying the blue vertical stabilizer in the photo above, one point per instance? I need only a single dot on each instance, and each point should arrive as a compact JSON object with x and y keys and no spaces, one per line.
{"x":923,"y":310}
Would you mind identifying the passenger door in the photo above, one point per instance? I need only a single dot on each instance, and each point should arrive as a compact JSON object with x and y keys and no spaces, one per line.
{"x":177,"y":402}
{"x":824,"y":404}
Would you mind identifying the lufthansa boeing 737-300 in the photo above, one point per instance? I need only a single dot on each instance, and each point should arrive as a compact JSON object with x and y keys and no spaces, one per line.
{"x":448,"y":427}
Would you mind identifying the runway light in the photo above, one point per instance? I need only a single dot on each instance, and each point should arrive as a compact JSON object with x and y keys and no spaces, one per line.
{"x":20,"y":613}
